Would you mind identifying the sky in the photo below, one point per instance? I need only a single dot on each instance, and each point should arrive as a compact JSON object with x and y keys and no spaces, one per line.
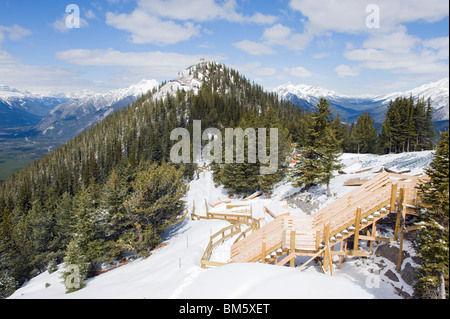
{"x":349,"y":46}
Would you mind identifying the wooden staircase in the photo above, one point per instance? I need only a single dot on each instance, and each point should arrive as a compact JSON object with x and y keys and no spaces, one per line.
{"x":316,"y":235}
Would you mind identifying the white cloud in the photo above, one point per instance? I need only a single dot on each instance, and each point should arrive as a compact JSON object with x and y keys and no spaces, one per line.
{"x":171,"y":21}
{"x":6,"y":58}
{"x":277,"y":35}
{"x":111,"y":57}
{"x":256,"y":71}
{"x":286,"y":37}
{"x":14,"y":32}
{"x":135,"y":65}
{"x":146,"y":28}
{"x":300,"y":71}
{"x":202,"y":10}
{"x":39,"y":78}
{"x":90,"y":14}
{"x":254,"y":48}
{"x":399,"y":52}
{"x":345,"y":71}
{"x":321,"y":55}
{"x":350,"y":16}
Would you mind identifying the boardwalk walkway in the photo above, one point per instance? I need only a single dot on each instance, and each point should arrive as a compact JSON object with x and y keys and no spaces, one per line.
{"x":288,"y":237}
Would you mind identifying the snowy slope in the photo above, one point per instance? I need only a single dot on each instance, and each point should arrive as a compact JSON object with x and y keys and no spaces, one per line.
{"x":174,"y":271}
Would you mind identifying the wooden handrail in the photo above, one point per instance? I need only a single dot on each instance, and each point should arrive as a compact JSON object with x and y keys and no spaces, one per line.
{"x":340,"y":215}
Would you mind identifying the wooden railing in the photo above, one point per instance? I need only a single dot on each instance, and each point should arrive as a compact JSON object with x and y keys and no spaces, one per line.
{"x":217,"y":239}
{"x":337,"y":221}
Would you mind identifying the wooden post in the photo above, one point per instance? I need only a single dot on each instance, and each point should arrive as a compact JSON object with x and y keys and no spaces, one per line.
{"x":400,"y":209}
{"x":327,"y":261}
{"x":292,"y":261}
{"x":393,"y":197}
{"x":403,"y":195}
{"x":340,"y":256}
{"x":206,"y":206}
{"x":345,"y":249}
{"x":357,"y":227}
{"x":400,"y":253}
{"x":317,"y":240}
{"x":263,"y":252}
{"x":328,"y":250}
{"x":325,"y":255}
{"x":374,"y":234}
{"x":404,"y":207}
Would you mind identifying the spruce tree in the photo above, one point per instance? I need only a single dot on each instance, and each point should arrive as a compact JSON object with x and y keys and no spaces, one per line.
{"x":364,"y":134}
{"x":433,"y":238}
{"x":320,"y":157}
{"x":156,"y":201}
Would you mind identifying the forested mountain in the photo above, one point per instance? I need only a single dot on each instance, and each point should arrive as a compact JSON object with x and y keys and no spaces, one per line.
{"x":89,"y":196}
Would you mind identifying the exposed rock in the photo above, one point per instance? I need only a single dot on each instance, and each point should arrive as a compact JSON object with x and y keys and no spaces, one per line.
{"x":391,"y":275}
{"x":390,"y":253}
{"x":409,"y":274}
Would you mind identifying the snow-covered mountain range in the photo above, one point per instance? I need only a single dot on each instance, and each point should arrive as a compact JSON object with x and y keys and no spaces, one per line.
{"x":349,"y":107}
{"x":22,"y":108}
{"x":60,"y":116}
{"x":72,"y":117}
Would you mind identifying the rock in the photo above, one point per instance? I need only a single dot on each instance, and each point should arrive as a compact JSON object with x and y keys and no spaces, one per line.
{"x":390,"y":253}
{"x":391,"y":275}
{"x":409,"y":274}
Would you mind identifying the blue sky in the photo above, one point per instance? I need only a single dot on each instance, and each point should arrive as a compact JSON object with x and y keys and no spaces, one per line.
{"x":318,"y":42}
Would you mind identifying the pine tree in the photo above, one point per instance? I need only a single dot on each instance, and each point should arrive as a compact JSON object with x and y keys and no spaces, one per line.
{"x":86,"y":246}
{"x":320,"y":157}
{"x":407,"y":127}
{"x":364,"y":134}
{"x":156,"y":201}
{"x":433,"y":239}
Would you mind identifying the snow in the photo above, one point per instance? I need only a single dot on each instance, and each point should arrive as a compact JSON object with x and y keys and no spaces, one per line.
{"x":174,"y":271}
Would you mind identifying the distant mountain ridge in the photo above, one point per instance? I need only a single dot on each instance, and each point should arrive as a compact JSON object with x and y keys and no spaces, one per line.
{"x":74,"y":116}
{"x":22,"y":108}
{"x":350,"y":107}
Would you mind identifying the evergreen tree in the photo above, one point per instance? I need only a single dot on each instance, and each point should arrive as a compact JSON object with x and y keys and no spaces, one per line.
{"x":433,"y":239}
{"x":407,"y":127}
{"x":156,"y":201}
{"x":86,"y":247}
{"x":364,"y":134}
{"x":320,"y":157}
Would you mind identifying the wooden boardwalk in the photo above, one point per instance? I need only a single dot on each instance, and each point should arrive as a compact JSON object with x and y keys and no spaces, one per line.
{"x":288,"y":237}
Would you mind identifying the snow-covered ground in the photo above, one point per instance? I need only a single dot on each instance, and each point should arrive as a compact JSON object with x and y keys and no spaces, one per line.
{"x":174,"y":271}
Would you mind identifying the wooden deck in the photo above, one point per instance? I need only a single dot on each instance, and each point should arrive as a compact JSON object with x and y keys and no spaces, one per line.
{"x":287,"y":237}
